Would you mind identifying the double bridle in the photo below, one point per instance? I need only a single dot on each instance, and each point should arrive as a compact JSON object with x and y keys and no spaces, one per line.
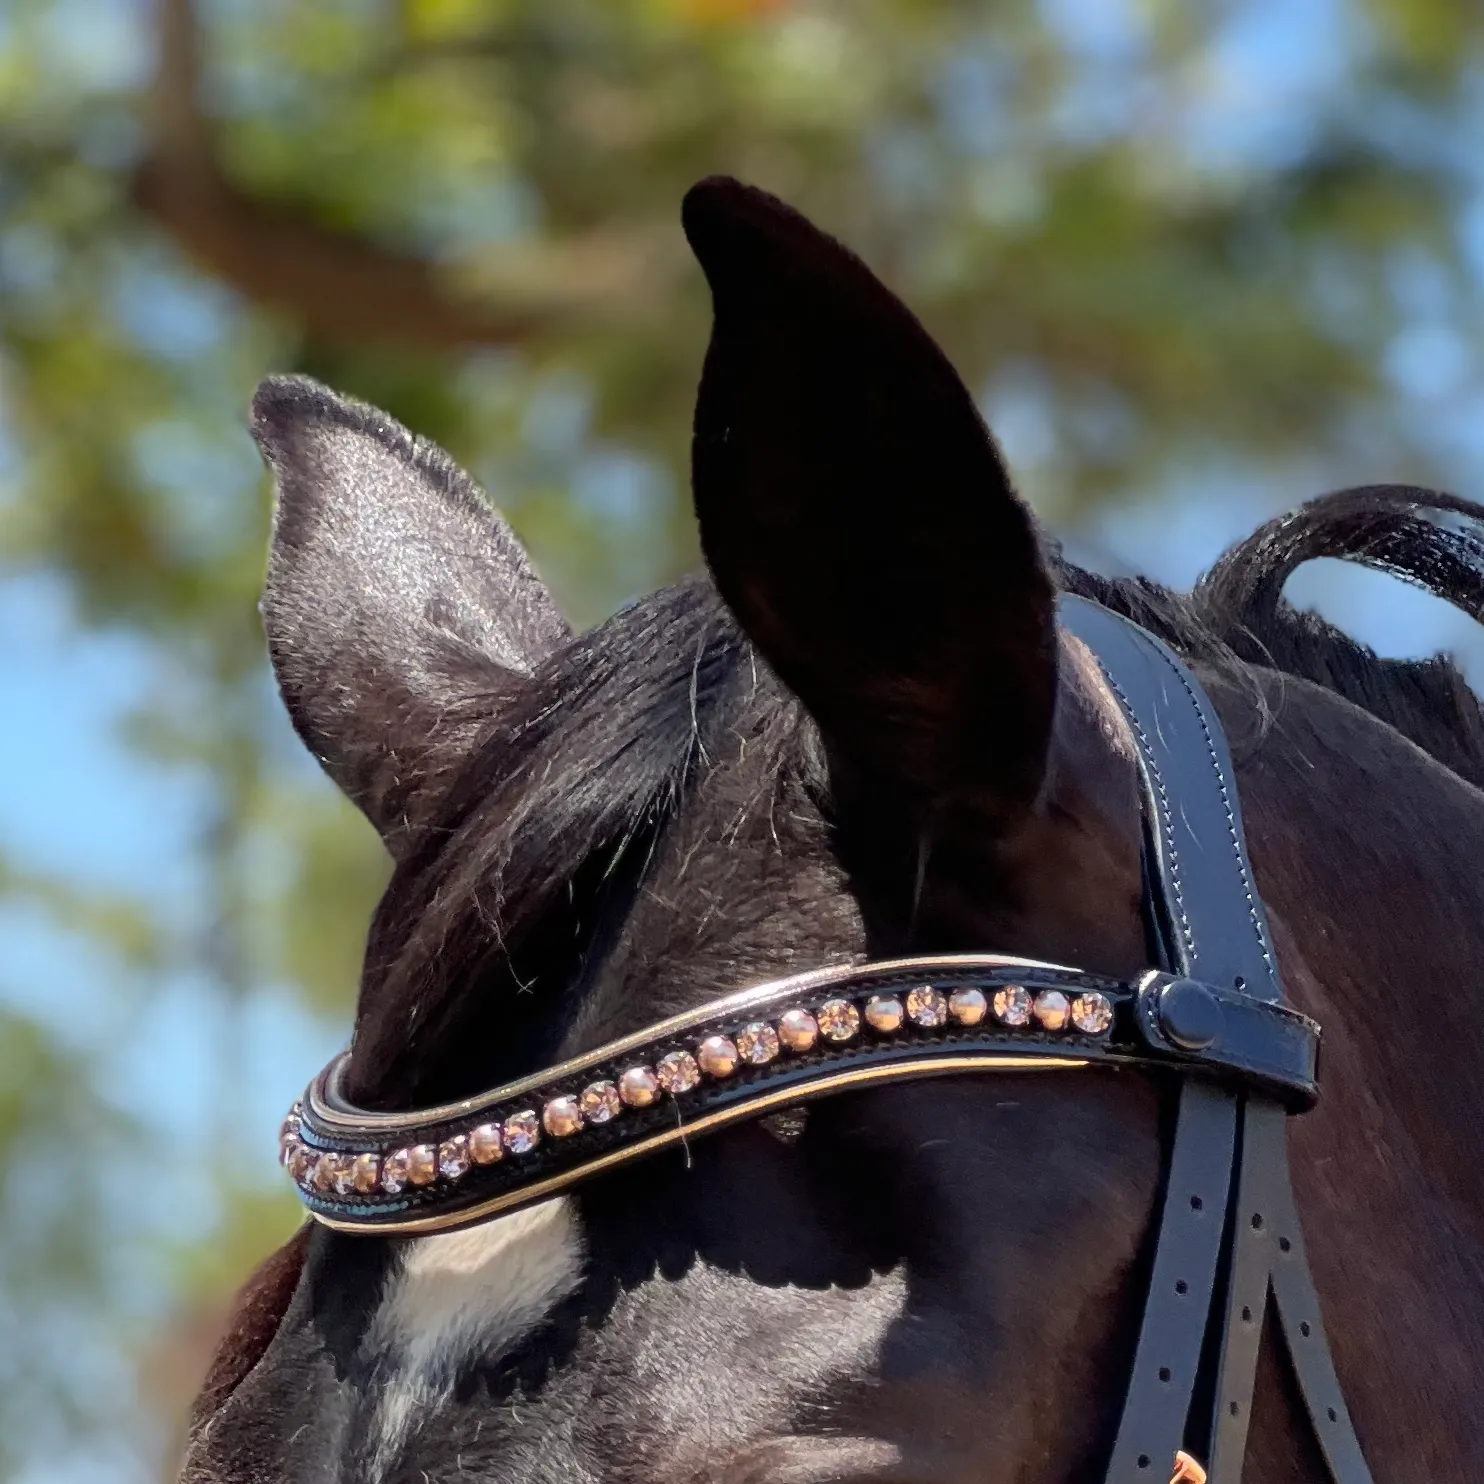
{"x":1229,"y":1235}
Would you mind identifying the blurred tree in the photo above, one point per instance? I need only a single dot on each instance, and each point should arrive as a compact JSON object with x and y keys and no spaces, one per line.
{"x":466,"y":211}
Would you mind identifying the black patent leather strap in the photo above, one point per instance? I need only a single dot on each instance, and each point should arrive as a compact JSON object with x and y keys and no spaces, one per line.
{"x":1269,"y":1256}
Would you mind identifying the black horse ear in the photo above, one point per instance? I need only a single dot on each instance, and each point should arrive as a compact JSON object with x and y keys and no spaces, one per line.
{"x":398,"y":605}
{"x":857,"y":517}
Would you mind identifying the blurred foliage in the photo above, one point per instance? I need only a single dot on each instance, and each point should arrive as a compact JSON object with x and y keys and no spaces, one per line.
{"x":467,"y":212}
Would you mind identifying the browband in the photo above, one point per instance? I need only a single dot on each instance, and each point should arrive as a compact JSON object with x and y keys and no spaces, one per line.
{"x":1213,"y":1014}
{"x":772,"y":1046}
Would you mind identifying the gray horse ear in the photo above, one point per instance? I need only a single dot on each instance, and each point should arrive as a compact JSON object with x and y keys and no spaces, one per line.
{"x":399,"y":607}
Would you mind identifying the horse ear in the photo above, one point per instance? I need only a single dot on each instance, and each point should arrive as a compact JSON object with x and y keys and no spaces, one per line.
{"x":398,"y":604}
{"x":857,"y":517}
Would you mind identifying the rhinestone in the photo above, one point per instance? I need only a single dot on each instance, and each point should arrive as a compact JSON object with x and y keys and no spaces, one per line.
{"x":522,"y":1131}
{"x":485,"y":1146}
{"x":1092,"y":1014}
{"x":1053,"y":1009}
{"x":798,"y":1029}
{"x":394,"y":1170}
{"x":757,"y":1042}
{"x":453,"y":1157}
{"x":301,"y":1164}
{"x":677,"y":1072}
{"x":968,"y":1006}
{"x":342,"y":1174}
{"x":288,"y":1135}
{"x":562,"y":1116}
{"x":1012,"y":1005}
{"x":884,"y":1013}
{"x":600,"y":1102}
{"x":365,"y":1173}
{"x":638,"y":1087}
{"x":422,"y":1164}
{"x":718,"y":1056}
{"x":323,"y":1175}
{"x":839,"y":1019}
{"x":288,"y":1146}
{"x":927,"y":1006}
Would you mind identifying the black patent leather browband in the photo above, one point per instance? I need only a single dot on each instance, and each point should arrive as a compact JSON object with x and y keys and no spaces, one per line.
{"x":1213,"y":1013}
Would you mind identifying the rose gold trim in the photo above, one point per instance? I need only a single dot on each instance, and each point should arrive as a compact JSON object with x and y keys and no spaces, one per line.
{"x":331,"y":1108}
{"x":783,"y":1096}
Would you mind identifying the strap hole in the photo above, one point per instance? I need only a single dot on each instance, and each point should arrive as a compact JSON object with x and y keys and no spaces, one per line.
{"x":1181,"y":1286}
{"x":1304,"y":1329}
{"x":1257,"y":1221}
{"x":1284,"y":1245}
{"x":1164,"y":1373}
{"x":1331,"y":1414}
{"x":1196,"y":1203}
{"x":1239,"y":982}
{"x":1234,"y":1408}
{"x":1246,"y":1315}
{"x":1143,"y":1460}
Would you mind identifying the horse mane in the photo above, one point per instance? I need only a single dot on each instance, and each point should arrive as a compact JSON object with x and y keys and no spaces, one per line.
{"x":1237,"y":614}
{"x":530,"y":866}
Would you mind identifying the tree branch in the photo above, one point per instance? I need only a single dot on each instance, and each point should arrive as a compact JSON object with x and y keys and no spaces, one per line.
{"x":340,"y":287}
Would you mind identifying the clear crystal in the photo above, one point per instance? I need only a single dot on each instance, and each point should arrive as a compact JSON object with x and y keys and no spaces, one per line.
{"x":1012,"y":1005}
{"x":522,"y":1131}
{"x":301,"y":1164}
{"x":839,"y":1020}
{"x":758,"y":1043}
{"x":1092,"y":1014}
{"x":343,"y":1176}
{"x":677,"y":1072}
{"x":638,"y":1087}
{"x":453,"y":1157}
{"x":323,"y":1178}
{"x":1053,"y":1009}
{"x":718,"y":1056}
{"x":927,"y":1006}
{"x":600,"y":1102}
{"x":884,"y":1013}
{"x":562,"y":1117}
{"x":394,"y":1170}
{"x":968,"y":1006}
{"x":798,"y":1029}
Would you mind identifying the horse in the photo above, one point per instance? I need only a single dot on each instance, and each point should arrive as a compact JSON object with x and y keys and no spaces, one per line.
{"x":861,"y":733}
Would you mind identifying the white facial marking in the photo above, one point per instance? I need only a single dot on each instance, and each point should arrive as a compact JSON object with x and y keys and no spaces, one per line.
{"x":461,"y":1297}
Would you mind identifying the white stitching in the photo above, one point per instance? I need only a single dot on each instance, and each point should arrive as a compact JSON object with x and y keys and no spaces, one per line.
{"x":1167,"y":825}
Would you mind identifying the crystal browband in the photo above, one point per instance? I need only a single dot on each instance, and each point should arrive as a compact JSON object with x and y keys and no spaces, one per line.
{"x":760,"y":1050}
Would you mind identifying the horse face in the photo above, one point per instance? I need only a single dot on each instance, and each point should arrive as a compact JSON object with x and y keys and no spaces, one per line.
{"x":862,"y":736}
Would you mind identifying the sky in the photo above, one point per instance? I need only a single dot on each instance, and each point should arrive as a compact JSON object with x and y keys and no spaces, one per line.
{"x":83,"y":805}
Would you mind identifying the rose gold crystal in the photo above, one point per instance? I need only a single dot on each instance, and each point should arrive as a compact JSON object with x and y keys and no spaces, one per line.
{"x":884,"y":1013}
{"x":638,"y":1087}
{"x":1092,"y":1014}
{"x":422,"y":1164}
{"x":485,"y":1145}
{"x":1012,"y":1005}
{"x":600,"y":1102}
{"x":562,"y":1117}
{"x":798,"y":1030}
{"x":288,"y":1135}
{"x":323,"y":1177}
{"x":454,"y":1157}
{"x":1053,"y":1009}
{"x":522,"y":1131}
{"x":968,"y":1006}
{"x":839,"y":1020}
{"x":677,"y":1072}
{"x":394,"y":1169}
{"x":365,"y":1173}
{"x":343,"y":1176}
{"x":757,"y":1043}
{"x":301,"y":1164}
{"x":927,"y":1006}
{"x":718,"y":1056}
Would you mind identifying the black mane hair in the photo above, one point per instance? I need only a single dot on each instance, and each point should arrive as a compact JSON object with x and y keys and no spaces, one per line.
{"x":531,"y":864}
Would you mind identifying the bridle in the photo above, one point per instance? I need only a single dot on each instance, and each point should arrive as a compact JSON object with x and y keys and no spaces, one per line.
{"x":1213,"y":1013}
